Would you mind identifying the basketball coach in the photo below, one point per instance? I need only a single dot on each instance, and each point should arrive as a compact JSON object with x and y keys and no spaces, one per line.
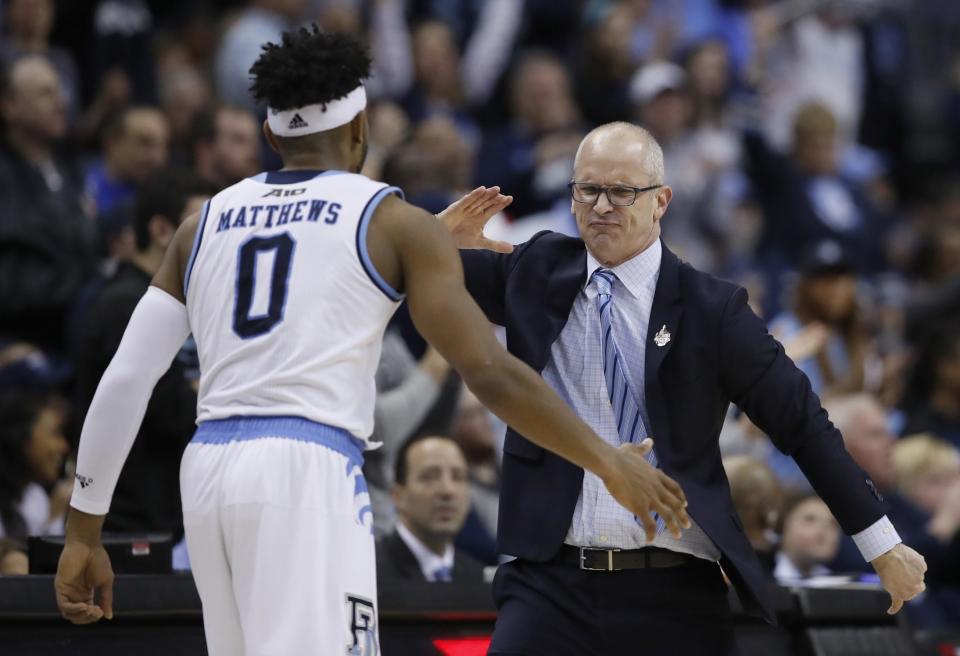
{"x":641,"y":345}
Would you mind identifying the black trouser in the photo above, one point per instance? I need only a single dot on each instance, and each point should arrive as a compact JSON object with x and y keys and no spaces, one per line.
{"x":558,"y":610}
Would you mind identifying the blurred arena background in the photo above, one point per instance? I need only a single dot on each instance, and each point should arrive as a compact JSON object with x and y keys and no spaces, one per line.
{"x":814,"y":151}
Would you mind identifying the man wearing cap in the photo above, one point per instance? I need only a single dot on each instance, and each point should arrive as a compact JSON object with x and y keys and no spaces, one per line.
{"x":641,"y":344}
{"x":822,"y":331}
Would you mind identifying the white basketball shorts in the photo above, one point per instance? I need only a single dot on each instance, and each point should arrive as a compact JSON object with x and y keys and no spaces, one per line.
{"x":279,"y":533}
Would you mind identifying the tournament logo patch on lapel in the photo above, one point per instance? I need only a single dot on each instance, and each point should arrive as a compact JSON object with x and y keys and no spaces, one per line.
{"x":662,"y":338}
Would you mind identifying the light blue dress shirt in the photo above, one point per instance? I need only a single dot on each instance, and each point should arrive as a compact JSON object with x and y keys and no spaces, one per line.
{"x":575,"y":371}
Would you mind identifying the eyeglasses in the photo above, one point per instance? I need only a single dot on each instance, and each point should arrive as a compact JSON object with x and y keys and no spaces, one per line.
{"x":619,"y":195}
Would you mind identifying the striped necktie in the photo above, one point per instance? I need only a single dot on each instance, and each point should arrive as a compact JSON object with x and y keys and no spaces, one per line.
{"x":623,"y":399}
{"x":442,"y":574}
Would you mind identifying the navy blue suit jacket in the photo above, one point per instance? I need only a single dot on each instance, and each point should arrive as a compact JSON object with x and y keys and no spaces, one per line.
{"x":720,"y":352}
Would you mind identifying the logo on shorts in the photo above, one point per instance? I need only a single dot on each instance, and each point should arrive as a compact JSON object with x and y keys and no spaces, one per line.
{"x":84,"y":481}
{"x":362,"y":622}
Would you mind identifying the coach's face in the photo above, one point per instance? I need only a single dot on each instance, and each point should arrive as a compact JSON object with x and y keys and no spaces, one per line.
{"x":612,"y":232}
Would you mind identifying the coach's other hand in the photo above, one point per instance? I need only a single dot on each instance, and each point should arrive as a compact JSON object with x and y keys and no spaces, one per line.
{"x":643,"y":489}
{"x":84,"y":581}
{"x":901,"y":574}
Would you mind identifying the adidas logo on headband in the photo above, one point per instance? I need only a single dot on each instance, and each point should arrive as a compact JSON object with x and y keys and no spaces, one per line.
{"x":297,"y":122}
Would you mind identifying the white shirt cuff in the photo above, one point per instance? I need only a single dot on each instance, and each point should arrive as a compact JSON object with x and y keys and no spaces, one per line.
{"x":877,"y":539}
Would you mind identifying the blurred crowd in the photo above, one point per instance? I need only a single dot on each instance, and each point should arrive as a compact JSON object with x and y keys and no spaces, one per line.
{"x":814,"y":151}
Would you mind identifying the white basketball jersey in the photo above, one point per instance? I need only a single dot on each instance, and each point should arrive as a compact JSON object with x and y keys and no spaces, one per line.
{"x":286,"y":308}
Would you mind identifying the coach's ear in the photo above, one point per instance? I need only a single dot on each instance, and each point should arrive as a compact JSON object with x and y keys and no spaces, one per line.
{"x":270,"y":137}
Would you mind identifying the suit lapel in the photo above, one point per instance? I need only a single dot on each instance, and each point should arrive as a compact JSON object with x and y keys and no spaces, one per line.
{"x":563,"y":285}
{"x":661,"y":336}
{"x":407,"y":564}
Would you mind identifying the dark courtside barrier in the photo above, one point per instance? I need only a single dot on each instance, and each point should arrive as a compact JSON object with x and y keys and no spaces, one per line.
{"x":160,"y":615}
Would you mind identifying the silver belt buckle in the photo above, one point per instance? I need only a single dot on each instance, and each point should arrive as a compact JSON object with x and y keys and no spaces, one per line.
{"x":608,"y":568}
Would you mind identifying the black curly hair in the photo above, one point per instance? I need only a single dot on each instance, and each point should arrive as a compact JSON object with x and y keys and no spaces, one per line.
{"x":308,"y":67}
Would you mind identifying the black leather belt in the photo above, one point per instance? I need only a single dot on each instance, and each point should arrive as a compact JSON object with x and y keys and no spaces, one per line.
{"x":612,"y":560}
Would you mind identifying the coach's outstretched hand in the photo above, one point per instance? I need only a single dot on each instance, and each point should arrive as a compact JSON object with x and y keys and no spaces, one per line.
{"x":901,"y":574}
{"x":643,"y":489}
{"x":84,"y":581}
{"x":465,"y":219}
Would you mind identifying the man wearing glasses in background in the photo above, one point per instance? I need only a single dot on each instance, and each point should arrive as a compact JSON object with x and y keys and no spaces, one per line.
{"x":642,"y":345}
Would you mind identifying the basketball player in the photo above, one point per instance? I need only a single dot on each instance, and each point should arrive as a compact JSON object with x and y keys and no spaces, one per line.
{"x":287,"y":281}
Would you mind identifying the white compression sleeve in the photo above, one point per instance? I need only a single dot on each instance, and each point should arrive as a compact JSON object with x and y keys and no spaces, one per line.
{"x":157,"y":330}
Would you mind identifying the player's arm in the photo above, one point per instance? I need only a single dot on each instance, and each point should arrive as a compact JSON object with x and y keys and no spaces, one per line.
{"x":154,"y":335}
{"x":411,"y":250}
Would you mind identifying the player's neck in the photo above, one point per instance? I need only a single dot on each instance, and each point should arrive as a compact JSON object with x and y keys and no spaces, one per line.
{"x":318,"y":162}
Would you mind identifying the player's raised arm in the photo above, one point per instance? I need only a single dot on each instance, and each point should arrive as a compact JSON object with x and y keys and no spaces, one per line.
{"x":412,"y":250}
{"x":157,"y":330}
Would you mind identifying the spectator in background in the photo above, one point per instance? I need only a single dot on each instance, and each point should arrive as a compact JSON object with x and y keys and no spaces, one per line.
{"x":707,"y":65}
{"x":663,"y":104}
{"x":605,"y":66}
{"x":147,"y":496}
{"x":473,"y":433}
{"x":226,"y":146}
{"x":135,"y":144}
{"x":935,"y":407}
{"x":123,"y":54}
{"x":438,"y":135}
{"x":657,"y":27}
{"x":823,"y":330}
{"x":932,"y":307}
{"x":438,"y":86}
{"x":118,"y":46}
{"x":532,"y":156}
{"x":725,"y":213}
{"x":805,"y":198}
{"x":432,"y":495}
{"x":47,"y":239}
{"x":263,"y":21}
{"x":186,"y":97}
{"x":418,"y":173}
{"x":27,"y":26}
{"x":758,"y":500}
{"x":407,"y":391}
{"x":869,"y":441}
{"x":434,"y":166}
{"x":33,"y":498}
{"x":13,"y":558}
{"x":389,"y":128}
{"x":810,"y":539}
{"x":817,"y":58}
{"x":928,"y":474}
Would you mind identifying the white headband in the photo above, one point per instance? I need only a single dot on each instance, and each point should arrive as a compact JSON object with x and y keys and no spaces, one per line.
{"x":309,"y":119}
